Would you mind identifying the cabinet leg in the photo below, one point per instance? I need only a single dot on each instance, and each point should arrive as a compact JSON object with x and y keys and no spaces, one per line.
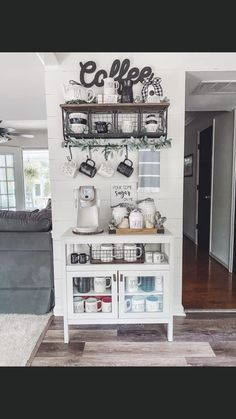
{"x":170,"y":331}
{"x":66,"y":332}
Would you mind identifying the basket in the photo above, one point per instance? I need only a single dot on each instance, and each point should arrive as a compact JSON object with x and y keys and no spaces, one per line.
{"x":107,"y":256}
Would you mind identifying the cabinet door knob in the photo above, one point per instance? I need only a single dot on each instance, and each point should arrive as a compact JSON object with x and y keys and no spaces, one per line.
{"x":114,"y":277}
{"x":121,"y":278}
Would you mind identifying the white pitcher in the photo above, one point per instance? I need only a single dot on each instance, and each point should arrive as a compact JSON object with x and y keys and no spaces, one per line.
{"x":74,"y":91}
{"x":110,"y":86}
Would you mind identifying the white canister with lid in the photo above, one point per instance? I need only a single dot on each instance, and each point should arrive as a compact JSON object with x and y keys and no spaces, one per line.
{"x":136,"y":219}
{"x":118,"y":213}
{"x":148,"y":209}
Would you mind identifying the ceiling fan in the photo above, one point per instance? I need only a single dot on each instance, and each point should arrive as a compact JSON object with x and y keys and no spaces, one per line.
{"x":6,"y":134}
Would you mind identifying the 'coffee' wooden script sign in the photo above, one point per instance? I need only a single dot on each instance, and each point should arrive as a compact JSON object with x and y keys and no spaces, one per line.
{"x":118,"y":72}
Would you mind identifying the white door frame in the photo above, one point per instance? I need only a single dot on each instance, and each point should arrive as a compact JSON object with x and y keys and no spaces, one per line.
{"x":18,"y":174}
{"x":197,"y":183}
{"x":212,"y":180}
{"x":232,"y":218}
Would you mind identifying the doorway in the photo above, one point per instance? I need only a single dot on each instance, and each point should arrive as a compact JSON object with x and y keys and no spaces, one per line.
{"x":204,"y":188}
{"x":209,"y":192}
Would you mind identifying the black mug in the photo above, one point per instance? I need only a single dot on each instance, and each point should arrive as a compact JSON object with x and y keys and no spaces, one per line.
{"x":125,"y":169}
{"x":83,"y":285}
{"x":102,"y":126}
{"x":88,"y":169}
{"x":81,"y":258}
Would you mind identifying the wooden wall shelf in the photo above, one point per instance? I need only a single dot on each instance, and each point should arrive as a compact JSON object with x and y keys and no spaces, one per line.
{"x":104,"y":107}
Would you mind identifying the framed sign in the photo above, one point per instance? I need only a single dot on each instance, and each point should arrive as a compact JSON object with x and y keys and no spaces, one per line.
{"x":188,"y":165}
{"x":123,"y":192}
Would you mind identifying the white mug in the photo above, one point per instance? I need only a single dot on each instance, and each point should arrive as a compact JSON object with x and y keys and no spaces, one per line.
{"x":151,"y":127}
{"x":127,"y":126}
{"x":118,"y":250}
{"x":78,"y":305}
{"x":152,"y":303}
{"x":130,"y":252}
{"x":158,"y":257}
{"x":78,"y":128}
{"x":132,"y":283}
{"x":70,"y":168}
{"x":159,"y":285}
{"x":148,"y":257}
{"x":105,"y":170}
{"x":136,"y":303}
{"x":110,"y":86}
{"x":76,"y":117}
{"x":106,"y":305}
{"x":106,"y":252}
{"x":100,"y":284}
{"x":96,"y":251}
{"x":92,"y":305}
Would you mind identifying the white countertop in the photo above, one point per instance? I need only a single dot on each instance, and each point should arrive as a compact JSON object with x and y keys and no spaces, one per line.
{"x":105,"y":237}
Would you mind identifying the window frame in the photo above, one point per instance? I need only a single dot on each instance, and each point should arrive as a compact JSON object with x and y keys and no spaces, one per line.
{"x":18,"y":174}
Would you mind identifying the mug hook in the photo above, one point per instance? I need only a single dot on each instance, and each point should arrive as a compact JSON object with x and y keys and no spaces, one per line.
{"x":105,"y":153}
{"x":70,"y":156}
{"x":126,"y":152}
{"x":89,"y":153}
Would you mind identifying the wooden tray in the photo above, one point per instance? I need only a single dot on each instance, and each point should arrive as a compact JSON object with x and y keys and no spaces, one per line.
{"x":137,"y":231}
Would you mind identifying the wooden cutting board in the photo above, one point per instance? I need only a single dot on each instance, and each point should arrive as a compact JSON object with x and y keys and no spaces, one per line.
{"x":136,"y":231}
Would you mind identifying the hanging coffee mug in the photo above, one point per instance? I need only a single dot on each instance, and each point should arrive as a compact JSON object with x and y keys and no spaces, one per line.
{"x":88,"y":169}
{"x":125,"y":169}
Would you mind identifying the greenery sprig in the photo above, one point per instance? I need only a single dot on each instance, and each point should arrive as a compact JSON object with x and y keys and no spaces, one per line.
{"x":131,"y":145}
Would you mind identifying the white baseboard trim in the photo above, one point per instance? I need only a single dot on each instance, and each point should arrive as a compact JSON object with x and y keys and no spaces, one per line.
{"x":179,"y":311}
{"x":218,"y":260}
{"x":213,"y":310}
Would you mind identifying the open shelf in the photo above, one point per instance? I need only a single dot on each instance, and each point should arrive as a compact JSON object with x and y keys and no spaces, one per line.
{"x":91,"y":293}
{"x":144,"y":293}
{"x":77,"y":267}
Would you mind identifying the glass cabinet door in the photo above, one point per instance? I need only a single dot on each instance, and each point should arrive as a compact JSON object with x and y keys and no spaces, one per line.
{"x":92,"y":294}
{"x":143,"y":294}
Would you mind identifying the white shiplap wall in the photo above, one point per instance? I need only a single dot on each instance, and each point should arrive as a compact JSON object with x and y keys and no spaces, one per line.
{"x":171,"y":68}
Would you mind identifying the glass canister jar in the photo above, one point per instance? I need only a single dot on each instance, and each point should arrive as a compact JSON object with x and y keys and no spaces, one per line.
{"x":136,"y":219}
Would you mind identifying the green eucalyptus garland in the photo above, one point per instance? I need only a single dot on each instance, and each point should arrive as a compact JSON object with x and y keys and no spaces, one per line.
{"x":132,"y":144}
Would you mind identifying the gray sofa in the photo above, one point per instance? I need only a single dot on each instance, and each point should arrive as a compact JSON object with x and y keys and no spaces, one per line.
{"x":26,"y":262}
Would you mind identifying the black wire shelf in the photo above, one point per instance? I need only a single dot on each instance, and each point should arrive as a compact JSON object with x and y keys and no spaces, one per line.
{"x":114,"y":117}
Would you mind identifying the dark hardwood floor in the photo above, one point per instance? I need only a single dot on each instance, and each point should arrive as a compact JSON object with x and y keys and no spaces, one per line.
{"x":206,"y":283}
{"x":200,"y":339}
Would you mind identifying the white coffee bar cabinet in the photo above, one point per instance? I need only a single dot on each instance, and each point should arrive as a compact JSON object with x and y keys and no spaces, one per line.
{"x":128,"y":305}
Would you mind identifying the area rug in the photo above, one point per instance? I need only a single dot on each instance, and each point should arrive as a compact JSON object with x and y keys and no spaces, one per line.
{"x":19,"y":336}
